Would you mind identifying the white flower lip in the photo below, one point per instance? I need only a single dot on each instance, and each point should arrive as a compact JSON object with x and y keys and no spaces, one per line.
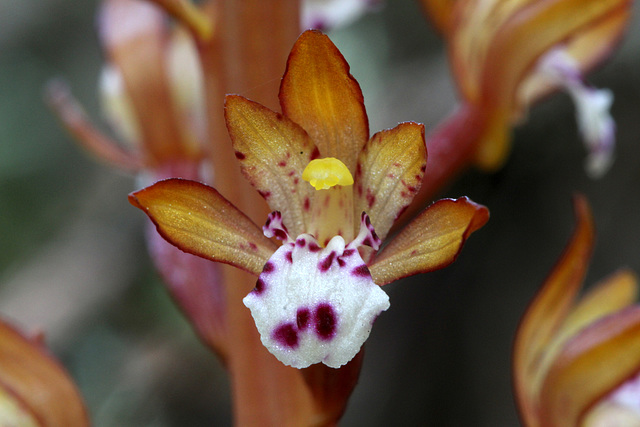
{"x":592,"y":109}
{"x":314,"y":304}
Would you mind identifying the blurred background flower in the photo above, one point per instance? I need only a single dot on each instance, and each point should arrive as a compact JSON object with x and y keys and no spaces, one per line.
{"x":74,"y":262}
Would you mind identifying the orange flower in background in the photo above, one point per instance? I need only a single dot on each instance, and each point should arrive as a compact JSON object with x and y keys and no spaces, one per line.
{"x":576,"y":360}
{"x":505,"y":55}
{"x":34,"y":389}
{"x":318,"y":293}
{"x":152,"y":92}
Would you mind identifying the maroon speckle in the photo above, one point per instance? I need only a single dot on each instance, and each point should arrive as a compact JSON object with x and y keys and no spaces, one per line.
{"x":265,"y":194}
{"x":268,"y":267}
{"x":367,"y":242}
{"x":301,"y":242}
{"x":306,"y":204}
{"x":289,"y":256}
{"x":358,"y":169}
{"x":296,"y":180}
{"x":396,"y":164}
{"x":325,"y":264}
{"x":260,"y":287}
{"x":302,"y":318}
{"x":282,"y":163}
{"x":313,"y":247}
{"x":423,"y":168}
{"x":361,"y":271}
{"x":253,"y":246}
{"x":325,"y":203}
{"x":341,"y":262}
{"x":291,"y":173}
{"x":286,"y":335}
{"x":280,"y":234}
{"x":315,"y":154}
{"x":348,"y":252}
{"x":239,"y":155}
{"x":325,"y":321}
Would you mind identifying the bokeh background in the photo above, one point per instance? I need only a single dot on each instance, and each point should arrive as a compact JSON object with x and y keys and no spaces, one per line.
{"x":73,"y":261}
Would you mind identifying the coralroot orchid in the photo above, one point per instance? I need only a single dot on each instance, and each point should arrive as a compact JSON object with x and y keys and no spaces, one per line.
{"x":576,"y":361}
{"x":505,"y":55}
{"x":318,"y":293}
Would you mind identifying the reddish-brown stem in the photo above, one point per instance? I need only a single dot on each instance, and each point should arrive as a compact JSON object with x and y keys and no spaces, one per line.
{"x":247,"y":55}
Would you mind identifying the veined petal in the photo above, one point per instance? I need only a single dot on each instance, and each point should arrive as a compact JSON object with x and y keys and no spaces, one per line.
{"x":272,"y":151}
{"x":389,"y":174}
{"x":549,"y":309}
{"x":601,"y":358}
{"x":319,"y":94}
{"x":36,"y":384}
{"x":431,"y":241}
{"x":197,"y":219}
{"x":609,"y":296}
{"x":135,"y":35}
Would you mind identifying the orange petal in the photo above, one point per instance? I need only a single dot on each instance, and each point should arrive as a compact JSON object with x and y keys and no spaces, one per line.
{"x":197,"y":219}
{"x":75,"y":120}
{"x":135,"y":36}
{"x":33,"y":380}
{"x":612,"y":294}
{"x":319,"y":94}
{"x":548,"y":310}
{"x":431,"y":241}
{"x":588,"y":48}
{"x":389,"y":174}
{"x":512,"y":50}
{"x":273,"y":151}
{"x":595,"y":362}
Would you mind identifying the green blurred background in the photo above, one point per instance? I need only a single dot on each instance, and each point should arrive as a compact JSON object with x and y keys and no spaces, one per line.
{"x":74,"y":264}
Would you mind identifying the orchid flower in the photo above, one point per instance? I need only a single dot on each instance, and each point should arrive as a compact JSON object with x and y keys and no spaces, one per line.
{"x":576,"y":360}
{"x":505,"y":55}
{"x":334,"y":194}
{"x":152,"y":92}
{"x":34,"y":389}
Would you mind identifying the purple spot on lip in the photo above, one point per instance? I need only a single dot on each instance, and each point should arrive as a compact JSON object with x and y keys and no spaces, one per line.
{"x":302,"y":318}
{"x":342,"y":262}
{"x":286,"y":335}
{"x":325,"y":264}
{"x":260,"y":287}
{"x":325,"y":321}
{"x":313,"y":247}
{"x":301,"y":242}
{"x":289,"y":256}
{"x":361,"y":271}
{"x":348,"y":252}
{"x":268,"y":267}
